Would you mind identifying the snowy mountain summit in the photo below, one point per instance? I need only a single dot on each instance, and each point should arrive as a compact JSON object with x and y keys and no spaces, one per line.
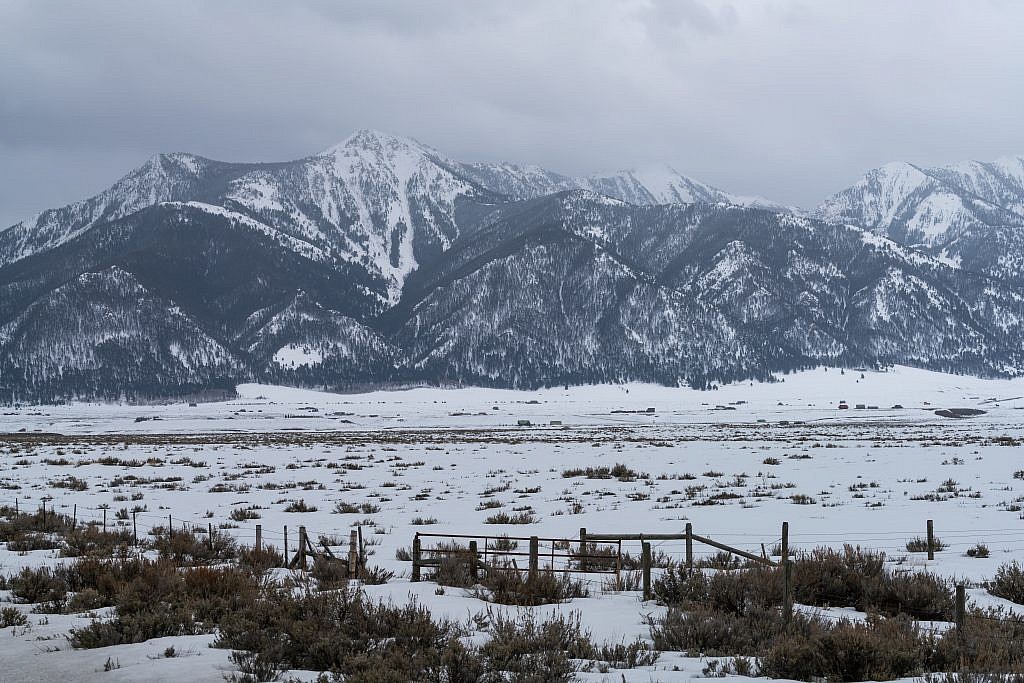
{"x":382,"y":261}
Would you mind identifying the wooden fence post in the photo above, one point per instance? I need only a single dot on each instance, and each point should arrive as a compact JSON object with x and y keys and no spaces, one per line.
{"x":301,"y":553}
{"x":961,"y":608}
{"x":787,"y":593}
{"x":534,"y":557}
{"x":209,"y":534}
{"x":583,"y":549}
{"x":689,"y":547}
{"x":285,"y":545}
{"x":361,"y":556}
{"x":645,"y":563}
{"x":618,"y":566}
{"x":931,"y":540}
{"x":787,"y":577}
{"x":135,"y":528}
{"x":416,"y":557}
{"x":74,"y":516}
{"x":473,"y":562}
{"x":104,"y":520}
{"x":170,"y":526}
{"x":259,"y":537}
{"x":353,"y":554}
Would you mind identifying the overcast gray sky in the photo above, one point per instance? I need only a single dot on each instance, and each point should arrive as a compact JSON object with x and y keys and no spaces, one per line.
{"x":791,"y":100}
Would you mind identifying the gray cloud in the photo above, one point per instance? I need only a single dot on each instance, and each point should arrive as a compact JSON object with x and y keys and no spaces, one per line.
{"x":787,"y":99}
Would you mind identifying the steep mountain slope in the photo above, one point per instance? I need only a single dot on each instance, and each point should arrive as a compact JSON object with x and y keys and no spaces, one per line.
{"x":164,"y":177}
{"x":970,"y":213}
{"x":305,"y":343}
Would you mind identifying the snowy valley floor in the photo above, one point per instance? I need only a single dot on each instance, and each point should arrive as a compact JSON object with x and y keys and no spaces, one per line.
{"x":735,"y":463}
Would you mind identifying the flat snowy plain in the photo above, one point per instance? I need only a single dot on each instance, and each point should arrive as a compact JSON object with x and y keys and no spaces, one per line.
{"x":870,"y":477}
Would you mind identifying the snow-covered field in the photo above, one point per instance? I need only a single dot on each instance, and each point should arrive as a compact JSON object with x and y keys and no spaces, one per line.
{"x":728,"y":461}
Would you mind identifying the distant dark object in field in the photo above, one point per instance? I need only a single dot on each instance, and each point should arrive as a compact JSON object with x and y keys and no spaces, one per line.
{"x":649,"y":411}
{"x":959,"y":412}
{"x":843,"y":405}
{"x":860,"y":406}
{"x":720,"y":407}
{"x":898,"y":406}
{"x":525,"y":423}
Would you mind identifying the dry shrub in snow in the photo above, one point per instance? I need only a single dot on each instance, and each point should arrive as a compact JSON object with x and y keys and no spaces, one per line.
{"x":1008,"y":583}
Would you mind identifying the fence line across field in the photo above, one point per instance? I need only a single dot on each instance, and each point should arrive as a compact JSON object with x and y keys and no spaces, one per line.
{"x":586,"y":560}
{"x":659,"y":540}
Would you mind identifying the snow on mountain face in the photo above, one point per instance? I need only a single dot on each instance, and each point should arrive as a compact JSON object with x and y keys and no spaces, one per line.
{"x":969,"y":214}
{"x":932,"y":206}
{"x":518,"y":182}
{"x":164,"y":177}
{"x":374,"y":199}
{"x":645,"y":186}
{"x":655,"y":185}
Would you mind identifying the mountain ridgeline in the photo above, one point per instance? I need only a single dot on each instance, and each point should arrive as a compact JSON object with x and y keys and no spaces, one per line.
{"x":382,"y":262}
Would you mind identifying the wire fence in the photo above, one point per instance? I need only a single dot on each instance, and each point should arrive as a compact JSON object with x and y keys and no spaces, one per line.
{"x":892,"y":542}
{"x":597,"y":561}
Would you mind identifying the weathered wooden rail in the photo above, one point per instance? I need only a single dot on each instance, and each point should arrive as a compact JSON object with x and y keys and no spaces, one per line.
{"x":500,"y":553}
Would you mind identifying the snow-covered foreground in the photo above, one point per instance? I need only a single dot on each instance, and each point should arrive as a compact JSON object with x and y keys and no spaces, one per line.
{"x":735,"y":463}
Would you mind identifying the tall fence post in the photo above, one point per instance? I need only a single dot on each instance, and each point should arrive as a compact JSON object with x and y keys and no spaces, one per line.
{"x":689,"y":547}
{"x":583,"y":549}
{"x":104,"y":520}
{"x":353,"y":554}
{"x":931,"y":540}
{"x":785,"y":543}
{"x":360,"y":556}
{"x":135,"y":528}
{"x":259,"y":537}
{"x":787,"y":577}
{"x":534,"y":557}
{"x":209,"y":534}
{"x":473,"y":562}
{"x":645,"y":563}
{"x":285,"y":545}
{"x":301,"y":552}
{"x":416,"y":557}
{"x":961,"y":608}
{"x":74,"y":516}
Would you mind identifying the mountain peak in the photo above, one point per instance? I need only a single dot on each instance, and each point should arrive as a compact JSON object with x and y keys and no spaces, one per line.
{"x":654,"y":184}
{"x":376,"y":141}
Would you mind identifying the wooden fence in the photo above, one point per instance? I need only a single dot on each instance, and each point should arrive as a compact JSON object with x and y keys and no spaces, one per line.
{"x":500,"y":553}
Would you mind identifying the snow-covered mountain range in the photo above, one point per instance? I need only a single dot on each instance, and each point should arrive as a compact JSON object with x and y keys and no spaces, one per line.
{"x":382,"y":261}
